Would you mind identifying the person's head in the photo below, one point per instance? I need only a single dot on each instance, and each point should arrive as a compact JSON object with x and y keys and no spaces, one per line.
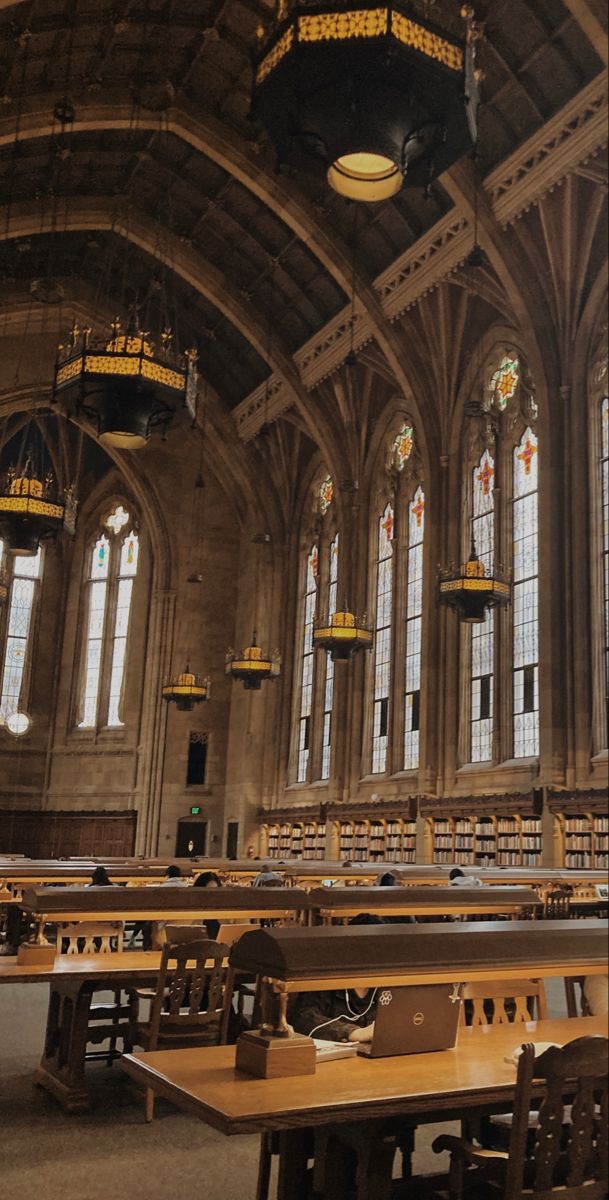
{"x":366,"y":919}
{"x":100,"y":878}
{"x":174,"y":872}
{"x":207,"y":879}
{"x":456,"y":874}
{"x":388,"y":879}
{"x":347,"y":863}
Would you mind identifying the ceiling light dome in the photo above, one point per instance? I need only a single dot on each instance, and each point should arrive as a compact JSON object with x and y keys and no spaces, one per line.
{"x":369,"y":95}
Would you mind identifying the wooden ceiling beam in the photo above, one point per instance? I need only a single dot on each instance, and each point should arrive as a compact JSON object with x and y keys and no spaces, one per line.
{"x":212,"y":139}
{"x":590,"y":24}
{"x":102,"y":213}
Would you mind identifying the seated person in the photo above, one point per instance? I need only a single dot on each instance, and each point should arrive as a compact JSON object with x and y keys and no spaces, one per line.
{"x":100,"y":878}
{"x":458,"y":878}
{"x":173,"y":878}
{"x":267,"y":878}
{"x":344,"y":1015}
{"x":596,"y":991}
{"x":388,"y":879}
{"x":208,"y":879}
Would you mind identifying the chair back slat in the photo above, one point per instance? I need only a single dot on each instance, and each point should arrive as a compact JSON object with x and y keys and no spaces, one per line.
{"x":191,"y":986}
{"x":570,"y":1151}
{"x":512,"y":1001}
{"x":90,"y":938}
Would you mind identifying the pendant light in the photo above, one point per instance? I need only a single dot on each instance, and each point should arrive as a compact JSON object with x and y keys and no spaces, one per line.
{"x":252,"y":666}
{"x":368,"y":96}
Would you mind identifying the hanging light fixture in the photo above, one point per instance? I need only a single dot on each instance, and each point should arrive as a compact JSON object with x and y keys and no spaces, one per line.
{"x":252,"y":666}
{"x":123,"y":384}
{"x":369,"y":95}
{"x":470,"y":592}
{"x":31,"y":507}
{"x":186,"y":690}
{"x":342,"y":636}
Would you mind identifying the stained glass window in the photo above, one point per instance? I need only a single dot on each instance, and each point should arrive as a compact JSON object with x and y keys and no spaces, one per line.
{"x":382,"y":642}
{"x":306,"y":678}
{"x":27,"y":573}
{"x":482,"y":636}
{"x":605,"y":534}
{"x":504,"y":380}
{"x":126,"y":574}
{"x":402,"y":446}
{"x":326,"y":746}
{"x":113,"y":565}
{"x":414,"y":610}
{"x":525,"y":598}
{"x":326,"y":495}
{"x":97,"y":594}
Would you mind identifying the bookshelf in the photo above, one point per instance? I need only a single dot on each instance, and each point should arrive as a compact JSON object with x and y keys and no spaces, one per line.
{"x":389,"y":839}
{"x":587,"y":841}
{"x":519,"y":841}
{"x":485,"y":842}
{"x":295,"y":839}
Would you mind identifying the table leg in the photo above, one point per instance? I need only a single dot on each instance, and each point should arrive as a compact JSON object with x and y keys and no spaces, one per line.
{"x":62,"y":1066}
{"x":294,"y":1152}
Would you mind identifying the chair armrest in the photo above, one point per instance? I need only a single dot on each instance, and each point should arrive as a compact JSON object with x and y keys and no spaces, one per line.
{"x":465,"y":1150}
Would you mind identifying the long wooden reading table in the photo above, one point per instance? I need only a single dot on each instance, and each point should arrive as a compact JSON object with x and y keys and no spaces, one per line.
{"x":338,"y":903}
{"x":472,"y":1078}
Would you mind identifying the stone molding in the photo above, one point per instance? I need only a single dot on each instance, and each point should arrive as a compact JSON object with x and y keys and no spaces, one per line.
{"x":577,"y":132}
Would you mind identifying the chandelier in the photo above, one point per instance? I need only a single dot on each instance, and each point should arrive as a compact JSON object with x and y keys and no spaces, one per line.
{"x":471,"y":592}
{"x":31,"y":508}
{"x":342,"y":636}
{"x":186,"y":690}
{"x":252,"y":666}
{"x":369,"y":95}
{"x":124,"y":384}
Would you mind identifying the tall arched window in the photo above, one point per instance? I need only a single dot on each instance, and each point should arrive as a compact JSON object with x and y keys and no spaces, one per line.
{"x":382,"y":641}
{"x":604,"y":442}
{"x":24,"y":582}
{"x":307,"y":663}
{"x":482,"y":641}
{"x":502,"y":454}
{"x":414,"y":614}
{"x":525,"y":598}
{"x":326,"y":748}
{"x":112,"y":564}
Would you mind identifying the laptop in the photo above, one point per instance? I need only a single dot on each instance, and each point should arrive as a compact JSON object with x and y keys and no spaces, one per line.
{"x":414,"y":1020}
{"x":227,"y":934}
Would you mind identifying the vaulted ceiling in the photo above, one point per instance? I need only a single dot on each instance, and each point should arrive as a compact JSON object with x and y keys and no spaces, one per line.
{"x":265,"y":260}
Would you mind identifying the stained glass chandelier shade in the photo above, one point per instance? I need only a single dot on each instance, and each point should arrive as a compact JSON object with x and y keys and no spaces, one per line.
{"x":186,"y":690}
{"x":342,"y":636}
{"x":31,"y":508}
{"x":471,"y":592}
{"x":124,"y":385}
{"x":252,"y":666}
{"x":371,"y":96}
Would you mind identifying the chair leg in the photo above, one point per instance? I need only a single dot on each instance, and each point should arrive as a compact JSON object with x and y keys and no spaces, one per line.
{"x":149,"y":1105}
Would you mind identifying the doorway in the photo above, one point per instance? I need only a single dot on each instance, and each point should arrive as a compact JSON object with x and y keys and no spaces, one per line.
{"x":191,"y":838}
{"x":232,"y":839}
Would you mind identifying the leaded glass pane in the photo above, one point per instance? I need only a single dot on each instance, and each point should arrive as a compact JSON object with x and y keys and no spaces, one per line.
{"x":326,"y":749}
{"x":119,"y":649}
{"x":97,"y":591}
{"x":525,"y":598}
{"x":504,"y":380}
{"x":26,"y":571}
{"x":326,"y":495}
{"x":604,"y":414}
{"x":130,"y":550}
{"x":100,"y":558}
{"x":402,"y":446}
{"x":414,"y":608}
{"x":382,"y":641}
{"x":306,"y":677}
{"x":482,"y":636}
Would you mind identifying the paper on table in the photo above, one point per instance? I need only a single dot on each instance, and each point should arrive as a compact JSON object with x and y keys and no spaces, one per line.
{"x":540,"y":1048}
{"x":329,"y":1051}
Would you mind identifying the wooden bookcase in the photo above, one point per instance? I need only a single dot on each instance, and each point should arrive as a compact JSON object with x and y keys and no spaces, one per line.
{"x":291,"y":837}
{"x":583,"y":819}
{"x":484,"y":831}
{"x":390,"y":838}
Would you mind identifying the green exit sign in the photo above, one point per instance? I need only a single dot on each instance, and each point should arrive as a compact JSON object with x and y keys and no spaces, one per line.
{"x":195,"y":810}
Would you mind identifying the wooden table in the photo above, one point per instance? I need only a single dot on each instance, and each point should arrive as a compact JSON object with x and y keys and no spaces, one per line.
{"x":473,"y":1078}
{"x":73,"y":981}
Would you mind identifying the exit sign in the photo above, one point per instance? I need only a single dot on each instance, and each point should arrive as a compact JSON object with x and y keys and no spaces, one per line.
{"x":195,"y":810}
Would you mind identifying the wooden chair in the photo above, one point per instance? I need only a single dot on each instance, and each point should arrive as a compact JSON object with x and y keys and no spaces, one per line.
{"x":503,"y":1003}
{"x":577,"y":1005}
{"x":189,"y":1001}
{"x":571,"y":1164}
{"x":106,"y":1021}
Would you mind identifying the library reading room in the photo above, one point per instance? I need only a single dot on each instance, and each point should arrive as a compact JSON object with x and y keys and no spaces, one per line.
{"x":304,"y":600}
